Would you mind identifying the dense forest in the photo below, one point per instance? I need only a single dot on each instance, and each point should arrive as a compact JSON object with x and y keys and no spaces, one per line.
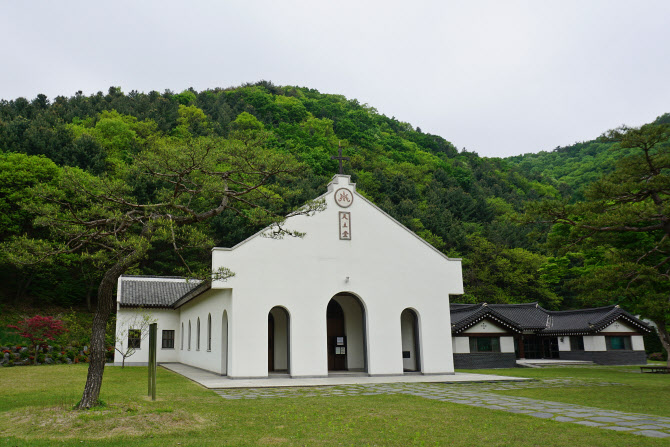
{"x":465,"y":205}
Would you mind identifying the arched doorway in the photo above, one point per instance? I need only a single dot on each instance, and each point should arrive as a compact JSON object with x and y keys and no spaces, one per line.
{"x":409,"y":328}
{"x":224,"y":344}
{"x":278,"y":340}
{"x":346,"y":334}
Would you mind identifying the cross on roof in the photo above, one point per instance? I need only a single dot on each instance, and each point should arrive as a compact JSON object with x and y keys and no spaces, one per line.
{"x":340,"y":157}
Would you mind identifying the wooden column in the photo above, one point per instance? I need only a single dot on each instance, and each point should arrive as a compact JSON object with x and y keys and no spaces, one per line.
{"x":153,"y":331}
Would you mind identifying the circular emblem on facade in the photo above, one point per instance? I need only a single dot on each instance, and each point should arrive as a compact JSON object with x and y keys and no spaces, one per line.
{"x":344,"y":197}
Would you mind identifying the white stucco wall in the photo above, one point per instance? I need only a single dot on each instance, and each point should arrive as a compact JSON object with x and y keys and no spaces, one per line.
{"x":483,"y":327}
{"x":507,"y":344}
{"x":637,"y":342}
{"x":213,"y":302}
{"x":383,"y":264}
{"x":165,"y":318}
{"x":564,"y":343}
{"x":594,"y":343}
{"x":461,"y":345}
{"x":619,"y":326}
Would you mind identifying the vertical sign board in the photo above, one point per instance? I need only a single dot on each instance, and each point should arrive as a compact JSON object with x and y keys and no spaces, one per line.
{"x":153,"y":335}
{"x":345,"y":225}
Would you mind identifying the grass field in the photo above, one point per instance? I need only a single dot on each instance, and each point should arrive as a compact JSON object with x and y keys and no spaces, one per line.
{"x":639,"y":393}
{"x":36,"y":402}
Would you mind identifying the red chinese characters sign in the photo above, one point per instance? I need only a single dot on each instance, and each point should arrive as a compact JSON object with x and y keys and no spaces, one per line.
{"x":344,"y":197}
{"x":345,"y":225}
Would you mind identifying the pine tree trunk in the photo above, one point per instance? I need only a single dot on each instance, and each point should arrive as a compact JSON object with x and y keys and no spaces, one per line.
{"x":106,"y":305}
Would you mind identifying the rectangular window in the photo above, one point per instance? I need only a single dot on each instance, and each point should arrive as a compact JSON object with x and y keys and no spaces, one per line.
{"x":576,"y":343}
{"x":484,"y":344}
{"x":168,"y":339}
{"x":134,"y":338}
{"x":618,"y":342}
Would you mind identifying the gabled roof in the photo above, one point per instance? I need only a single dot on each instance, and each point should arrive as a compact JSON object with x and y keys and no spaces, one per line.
{"x":532,"y":317}
{"x":154,"y":291}
{"x":331,"y":189}
{"x":587,"y":321}
{"x":464,"y":316}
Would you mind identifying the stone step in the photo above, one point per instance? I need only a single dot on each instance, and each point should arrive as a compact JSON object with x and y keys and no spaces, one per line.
{"x":539,"y":363}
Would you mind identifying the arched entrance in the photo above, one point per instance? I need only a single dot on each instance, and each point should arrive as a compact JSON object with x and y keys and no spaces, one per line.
{"x":224,"y":344}
{"x":346,"y":334}
{"x":278,"y":340}
{"x":409,"y":328}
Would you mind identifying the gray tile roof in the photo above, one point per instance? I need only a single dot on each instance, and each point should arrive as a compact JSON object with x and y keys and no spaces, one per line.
{"x":532,"y":317}
{"x":156,"y":292}
{"x":589,"y":321}
{"x":528,"y":316}
{"x":465,"y":315}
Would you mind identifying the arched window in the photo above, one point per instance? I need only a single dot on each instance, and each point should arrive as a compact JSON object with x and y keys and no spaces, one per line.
{"x":182,"y":335}
{"x":197,"y":336}
{"x":189,"y":335}
{"x":209,"y":332}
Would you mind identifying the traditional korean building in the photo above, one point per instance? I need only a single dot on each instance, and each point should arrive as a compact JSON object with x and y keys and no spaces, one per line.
{"x":496,"y":335}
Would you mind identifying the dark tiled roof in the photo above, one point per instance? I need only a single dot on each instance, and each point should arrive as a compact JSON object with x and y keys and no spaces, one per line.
{"x":532,"y":317}
{"x":142,"y":291}
{"x":465,"y":315}
{"x":589,"y":320}
{"x":529,"y":316}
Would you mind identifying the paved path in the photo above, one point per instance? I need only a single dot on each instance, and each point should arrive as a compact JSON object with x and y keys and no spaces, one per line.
{"x":212,"y":380}
{"x":479,"y":395}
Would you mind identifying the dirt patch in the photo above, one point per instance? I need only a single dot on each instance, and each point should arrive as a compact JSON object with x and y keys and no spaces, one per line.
{"x":268,"y":440}
{"x":59,"y":423}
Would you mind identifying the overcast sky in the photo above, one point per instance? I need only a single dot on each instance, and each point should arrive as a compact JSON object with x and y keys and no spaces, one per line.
{"x":496,"y":77}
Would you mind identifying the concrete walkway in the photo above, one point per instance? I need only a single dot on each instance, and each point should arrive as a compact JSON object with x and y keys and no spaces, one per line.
{"x":212,"y":380}
{"x":534,"y":363}
{"x":479,"y":395}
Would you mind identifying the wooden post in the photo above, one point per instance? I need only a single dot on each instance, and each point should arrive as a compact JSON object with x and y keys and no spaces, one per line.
{"x":153,"y":331}
{"x":522,"y":354}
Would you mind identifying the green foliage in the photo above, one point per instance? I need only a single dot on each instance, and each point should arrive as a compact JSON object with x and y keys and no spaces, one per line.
{"x":497,"y":274}
{"x":446,"y":196}
{"x":622,"y":229}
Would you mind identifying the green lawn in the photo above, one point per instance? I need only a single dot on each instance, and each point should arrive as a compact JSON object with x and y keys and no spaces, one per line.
{"x":35,"y":410}
{"x":638,"y":393}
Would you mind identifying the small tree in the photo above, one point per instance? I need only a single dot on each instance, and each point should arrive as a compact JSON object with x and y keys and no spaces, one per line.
{"x":161,"y":195}
{"x":623,"y":229}
{"x":38,"y":330}
{"x":135,"y":328}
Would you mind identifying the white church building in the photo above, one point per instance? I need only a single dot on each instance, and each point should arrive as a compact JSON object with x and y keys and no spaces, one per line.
{"x":359,"y":292}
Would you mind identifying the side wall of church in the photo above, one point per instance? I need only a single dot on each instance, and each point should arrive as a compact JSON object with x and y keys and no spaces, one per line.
{"x":206,"y":349}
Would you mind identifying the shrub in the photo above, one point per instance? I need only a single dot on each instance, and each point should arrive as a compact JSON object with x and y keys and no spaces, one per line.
{"x":658,"y":356}
{"x":39,"y":330}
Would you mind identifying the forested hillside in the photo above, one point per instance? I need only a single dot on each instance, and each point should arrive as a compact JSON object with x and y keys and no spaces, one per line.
{"x":572,"y":168}
{"x":465,"y":205}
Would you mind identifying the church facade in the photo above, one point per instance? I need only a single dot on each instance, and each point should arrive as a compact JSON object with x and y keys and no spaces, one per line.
{"x":359,"y":292}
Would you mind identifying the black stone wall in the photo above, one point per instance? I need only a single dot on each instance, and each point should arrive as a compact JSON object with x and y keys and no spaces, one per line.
{"x":607,"y":357}
{"x":485,"y":360}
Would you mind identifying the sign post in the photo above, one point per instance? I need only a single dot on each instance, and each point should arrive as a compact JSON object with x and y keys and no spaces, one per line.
{"x":153,"y":331}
